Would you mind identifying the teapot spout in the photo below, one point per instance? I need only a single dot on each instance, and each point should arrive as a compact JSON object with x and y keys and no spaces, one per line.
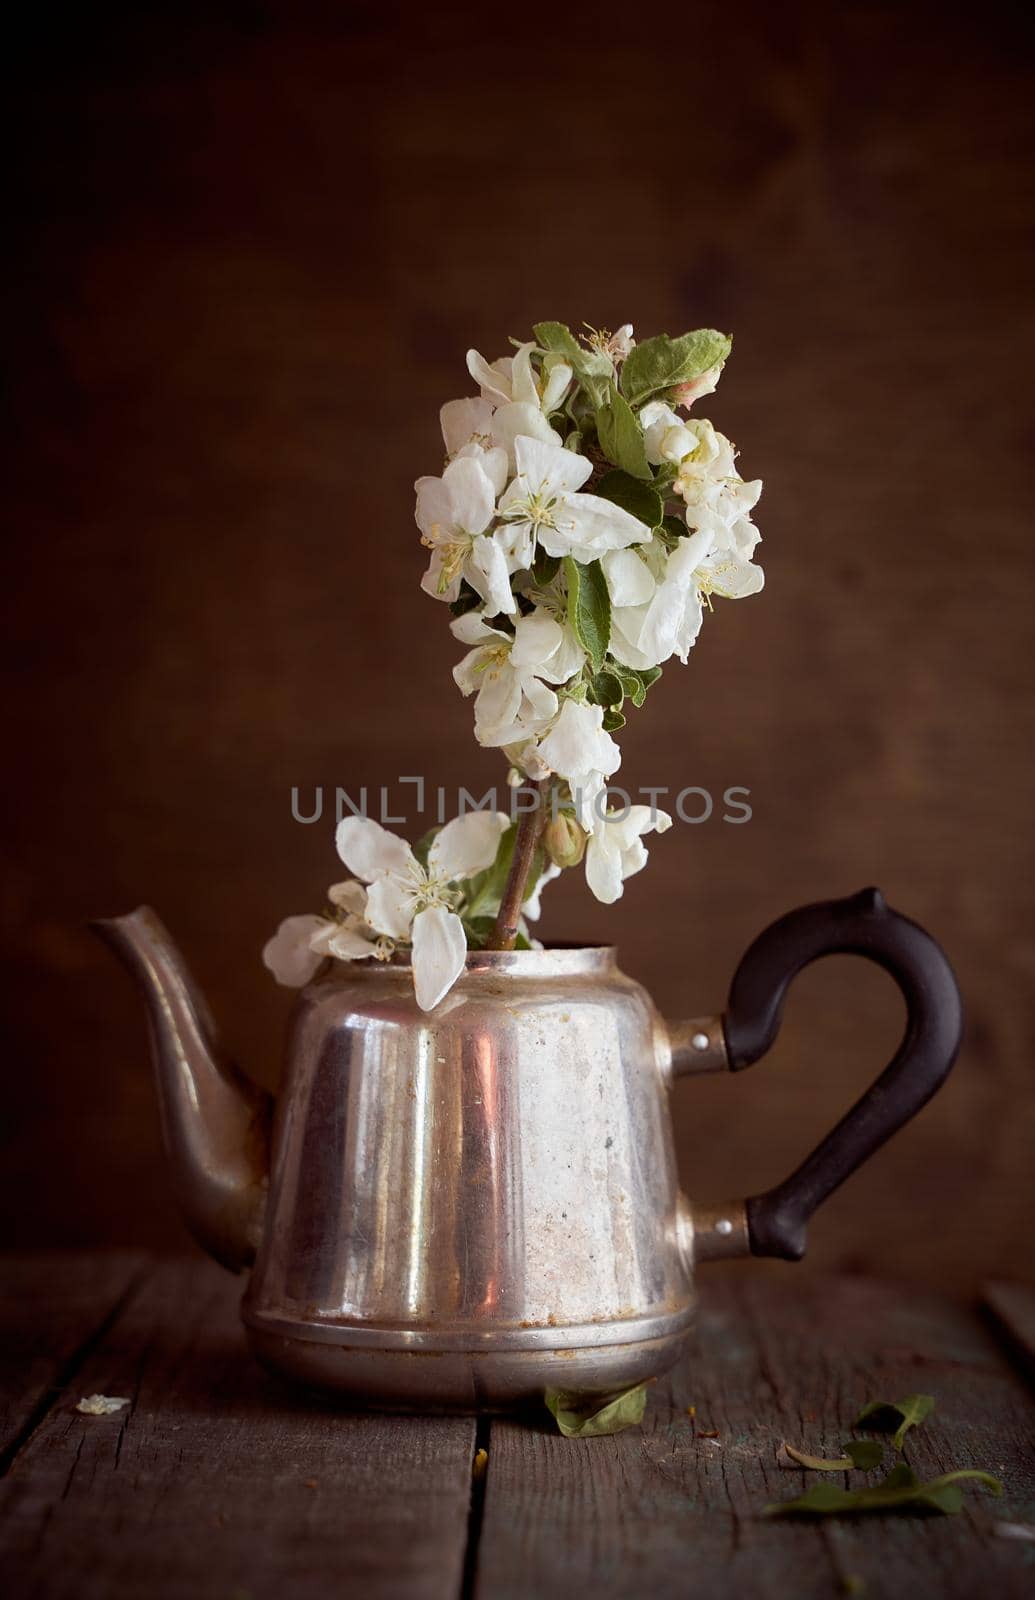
{"x":215,"y":1123}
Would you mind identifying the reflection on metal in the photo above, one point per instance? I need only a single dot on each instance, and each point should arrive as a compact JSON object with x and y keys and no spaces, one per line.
{"x":214,"y":1122}
{"x":465,"y":1206}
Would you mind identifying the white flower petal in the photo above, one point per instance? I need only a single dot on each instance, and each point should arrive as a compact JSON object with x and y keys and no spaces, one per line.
{"x":368,"y":850}
{"x":498,"y":702}
{"x":468,"y":844}
{"x":472,"y":628}
{"x":497,"y":385}
{"x":463,"y":421}
{"x":345,"y":944}
{"x":566,"y":660}
{"x":536,"y":637}
{"x":522,"y":420}
{"x":472,"y":497}
{"x":577,"y":744}
{"x":486,"y":571}
{"x":629,"y":580}
{"x":434,"y":504}
{"x":591,"y":523}
{"x":556,"y":386}
{"x":432,"y":583}
{"x":522,"y":378}
{"x":603,"y":867}
{"x":439,"y":954}
{"x":288,"y":954}
{"x":551,"y":464}
{"x":493,"y":462}
{"x":350,"y":896}
{"x":390,"y":905}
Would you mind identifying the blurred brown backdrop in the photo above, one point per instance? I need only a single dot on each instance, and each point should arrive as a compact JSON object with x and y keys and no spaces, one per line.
{"x":252,"y":252}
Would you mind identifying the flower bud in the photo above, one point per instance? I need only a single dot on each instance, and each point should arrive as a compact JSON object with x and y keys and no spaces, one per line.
{"x":564,"y":840}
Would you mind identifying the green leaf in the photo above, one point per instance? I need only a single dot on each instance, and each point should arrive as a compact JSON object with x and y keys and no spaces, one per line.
{"x":589,"y":607}
{"x":860,"y":1454}
{"x":592,"y":368}
{"x":585,"y":1416}
{"x":613,"y":720}
{"x":640,"y":500}
{"x":606,"y":689}
{"x":478,"y":930}
{"x":554,"y":337}
{"x":901,"y":1490}
{"x":865,"y":1454}
{"x":621,"y":438}
{"x":662,"y":363}
{"x":883,"y":1416}
{"x":637,"y":682}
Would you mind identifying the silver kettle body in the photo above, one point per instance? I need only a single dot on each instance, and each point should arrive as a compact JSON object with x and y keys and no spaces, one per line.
{"x":474,"y":1204}
{"x":463,"y":1208}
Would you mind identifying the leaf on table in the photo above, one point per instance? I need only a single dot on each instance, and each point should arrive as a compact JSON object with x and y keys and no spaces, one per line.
{"x":865,"y":1454}
{"x":859,"y":1455}
{"x":102,"y":1405}
{"x":901,"y":1490}
{"x":585,"y":1416}
{"x":897,"y":1416}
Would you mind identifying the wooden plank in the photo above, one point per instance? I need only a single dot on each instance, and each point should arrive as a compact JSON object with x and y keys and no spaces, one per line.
{"x":667,"y":1511}
{"x":220,"y":1481}
{"x":1012,"y":1306}
{"x":51,"y":1309}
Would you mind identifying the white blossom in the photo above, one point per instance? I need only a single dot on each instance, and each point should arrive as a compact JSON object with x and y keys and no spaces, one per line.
{"x":453,"y":513}
{"x":406,"y":901}
{"x":505,"y":671}
{"x":666,"y":437}
{"x":467,"y":431}
{"x":544,"y":508}
{"x":578,"y":750}
{"x":301,"y":944}
{"x":616,"y":850}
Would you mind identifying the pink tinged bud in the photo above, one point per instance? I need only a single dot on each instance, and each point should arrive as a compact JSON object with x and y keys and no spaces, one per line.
{"x":686,"y":393}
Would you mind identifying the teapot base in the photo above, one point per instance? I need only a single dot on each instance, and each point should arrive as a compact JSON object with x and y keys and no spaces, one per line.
{"x":441,"y":1374}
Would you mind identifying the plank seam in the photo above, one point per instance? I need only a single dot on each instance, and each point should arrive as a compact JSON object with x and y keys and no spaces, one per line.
{"x":476,"y":1508}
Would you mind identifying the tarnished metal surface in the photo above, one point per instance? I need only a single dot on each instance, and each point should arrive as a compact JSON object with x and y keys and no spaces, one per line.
{"x":465,"y":1206}
{"x":214,"y":1122}
{"x":494,"y":1180}
{"x":697,"y":1046}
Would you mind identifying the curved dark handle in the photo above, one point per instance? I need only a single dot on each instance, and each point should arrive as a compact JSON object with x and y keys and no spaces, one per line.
{"x":862,"y":925}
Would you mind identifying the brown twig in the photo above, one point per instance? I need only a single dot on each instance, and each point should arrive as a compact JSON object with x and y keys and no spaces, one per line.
{"x":505,"y":930}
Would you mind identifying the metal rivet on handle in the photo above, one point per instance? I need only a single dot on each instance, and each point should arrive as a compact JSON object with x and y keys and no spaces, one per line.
{"x":700,"y":1041}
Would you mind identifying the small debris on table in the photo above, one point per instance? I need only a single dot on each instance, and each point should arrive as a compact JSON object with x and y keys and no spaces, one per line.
{"x":479,"y":1464}
{"x":1014,"y":1530}
{"x":102,"y":1405}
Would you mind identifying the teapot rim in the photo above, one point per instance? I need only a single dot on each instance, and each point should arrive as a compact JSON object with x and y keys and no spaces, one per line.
{"x":560,"y":958}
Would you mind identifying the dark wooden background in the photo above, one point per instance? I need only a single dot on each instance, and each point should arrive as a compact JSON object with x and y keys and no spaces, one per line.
{"x":251,"y":252}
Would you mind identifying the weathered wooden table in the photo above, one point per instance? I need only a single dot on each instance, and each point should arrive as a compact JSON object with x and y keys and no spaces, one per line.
{"x":219,"y":1481}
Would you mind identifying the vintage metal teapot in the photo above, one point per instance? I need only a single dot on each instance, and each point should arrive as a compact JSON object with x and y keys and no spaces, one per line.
{"x":464,"y":1207}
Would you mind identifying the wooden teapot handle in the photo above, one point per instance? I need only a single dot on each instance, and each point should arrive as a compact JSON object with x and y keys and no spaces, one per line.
{"x":861,"y":925}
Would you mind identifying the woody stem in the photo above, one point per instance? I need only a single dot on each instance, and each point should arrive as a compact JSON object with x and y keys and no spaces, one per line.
{"x":505,"y":930}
